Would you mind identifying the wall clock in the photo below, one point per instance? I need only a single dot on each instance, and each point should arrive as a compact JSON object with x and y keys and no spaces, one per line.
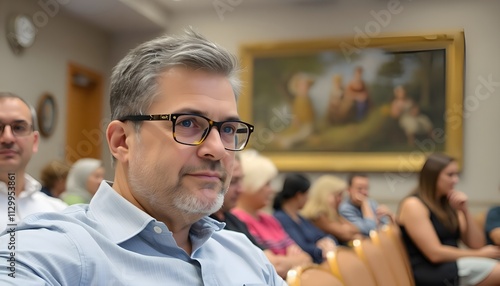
{"x":47,"y":115}
{"x":21,"y":32}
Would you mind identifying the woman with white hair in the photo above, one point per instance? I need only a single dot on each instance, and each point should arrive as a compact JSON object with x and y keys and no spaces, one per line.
{"x":83,"y":181}
{"x":257,"y":194}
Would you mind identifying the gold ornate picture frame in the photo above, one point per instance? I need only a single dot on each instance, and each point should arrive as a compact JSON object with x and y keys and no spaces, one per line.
{"x":351,"y":104}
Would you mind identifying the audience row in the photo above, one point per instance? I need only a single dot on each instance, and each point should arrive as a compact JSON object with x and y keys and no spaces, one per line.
{"x":315,"y":218}
{"x":73,"y":183}
{"x":151,"y":224}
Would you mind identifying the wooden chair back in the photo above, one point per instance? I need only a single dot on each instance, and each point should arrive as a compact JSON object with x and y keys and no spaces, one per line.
{"x":376,"y":260}
{"x":312,"y":275}
{"x":349,"y":268}
{"x":389,"y":240}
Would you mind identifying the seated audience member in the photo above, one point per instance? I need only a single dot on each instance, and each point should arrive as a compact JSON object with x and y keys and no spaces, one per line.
{"x":322,"y":206}
{"x":20,"y":194}
{"x":359,"y":209}
{"x":53,"y":178}
{"x":174,"y":132}
{"x":287,"y":205}
{"x":230,"y":198}
{"x":433,"y":219}
{"x":280,"y":263}
{"x":492,"y":226}
{"x":84,"y":179}
{"x":257,"y":194}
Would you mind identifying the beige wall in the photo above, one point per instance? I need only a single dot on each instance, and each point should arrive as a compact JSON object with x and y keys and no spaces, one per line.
{"x":43,"y":67}
{"x":479,"y":19}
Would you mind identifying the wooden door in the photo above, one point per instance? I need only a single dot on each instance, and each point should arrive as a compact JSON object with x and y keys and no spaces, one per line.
{"x":84,"y":125}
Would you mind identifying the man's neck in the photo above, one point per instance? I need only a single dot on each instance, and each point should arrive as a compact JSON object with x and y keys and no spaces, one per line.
{"x":14,"y":179}
{"x":177,"y":221}
{"x":219,"y":215}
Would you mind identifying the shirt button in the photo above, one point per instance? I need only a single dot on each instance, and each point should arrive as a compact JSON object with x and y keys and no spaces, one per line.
{"x":157,"y":229}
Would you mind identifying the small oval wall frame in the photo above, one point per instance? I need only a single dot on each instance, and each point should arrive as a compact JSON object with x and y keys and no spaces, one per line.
{"x":47,"y":114}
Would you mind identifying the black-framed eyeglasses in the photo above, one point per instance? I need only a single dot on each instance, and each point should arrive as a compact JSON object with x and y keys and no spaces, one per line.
{"x":18,"y":128}
{"x":193,"y":129}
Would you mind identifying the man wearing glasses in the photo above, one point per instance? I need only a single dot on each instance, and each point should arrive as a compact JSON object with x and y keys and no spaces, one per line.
{"x":19,"y":193}
{"x":173,"y":136}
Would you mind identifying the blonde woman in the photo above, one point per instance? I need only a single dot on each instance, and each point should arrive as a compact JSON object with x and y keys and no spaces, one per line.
{"x":325,"y":196}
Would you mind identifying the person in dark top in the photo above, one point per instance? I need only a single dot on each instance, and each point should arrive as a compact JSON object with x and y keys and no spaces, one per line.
{"x":433,"y":219}
{"x":287,"y":205}
{"x":280,"y":263}
{"x":492,"y":226}
{"x":230,"y":198}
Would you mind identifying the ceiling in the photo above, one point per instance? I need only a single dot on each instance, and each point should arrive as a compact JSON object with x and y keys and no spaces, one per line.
{"x":119,"y":16}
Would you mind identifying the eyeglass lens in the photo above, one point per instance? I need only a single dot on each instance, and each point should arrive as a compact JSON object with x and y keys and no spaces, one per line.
{"x":19,"y":128}
{"x":193,"y":129}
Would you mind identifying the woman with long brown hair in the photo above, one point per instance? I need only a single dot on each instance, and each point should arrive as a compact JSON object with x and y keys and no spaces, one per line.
{"x":433,"y":219}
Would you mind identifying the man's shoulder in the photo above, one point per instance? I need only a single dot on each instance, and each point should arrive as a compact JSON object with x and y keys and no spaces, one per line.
{"x":55,"y":203}
{"x":56,"y":232}
{"x":373,"y":202}
{"x":234,"y":241}
{"x":71,"y":222}
{"x":346,"y":205}
{"x":73,"y":216}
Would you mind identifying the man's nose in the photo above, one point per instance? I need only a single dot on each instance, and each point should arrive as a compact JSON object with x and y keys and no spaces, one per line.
{"x":6,"y":135}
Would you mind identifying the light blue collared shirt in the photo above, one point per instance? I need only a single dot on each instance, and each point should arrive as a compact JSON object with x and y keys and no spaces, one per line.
{"x":354,"y":214}
{"x":112,"y":242}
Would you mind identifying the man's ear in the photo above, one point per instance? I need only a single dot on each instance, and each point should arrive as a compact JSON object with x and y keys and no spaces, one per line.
{"x":116,"y":134}
{"x":36,"y":141}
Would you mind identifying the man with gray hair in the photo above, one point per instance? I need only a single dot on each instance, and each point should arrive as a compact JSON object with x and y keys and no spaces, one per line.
{"x":173,"y":136}
{"x":20,"y":194}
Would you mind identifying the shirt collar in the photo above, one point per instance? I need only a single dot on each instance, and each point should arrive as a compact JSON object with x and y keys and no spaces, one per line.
{"x":119,"y":218}
{"x":122,"y":220}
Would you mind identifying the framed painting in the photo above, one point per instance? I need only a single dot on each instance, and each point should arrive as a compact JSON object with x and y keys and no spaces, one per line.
{"x":47,"y":114}
{"x":350,"y":104}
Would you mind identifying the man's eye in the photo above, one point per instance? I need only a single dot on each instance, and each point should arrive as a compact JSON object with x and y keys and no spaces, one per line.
{"x":228,"y":129}
{"x":19,"y":127}
{"x":186,"y":123}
